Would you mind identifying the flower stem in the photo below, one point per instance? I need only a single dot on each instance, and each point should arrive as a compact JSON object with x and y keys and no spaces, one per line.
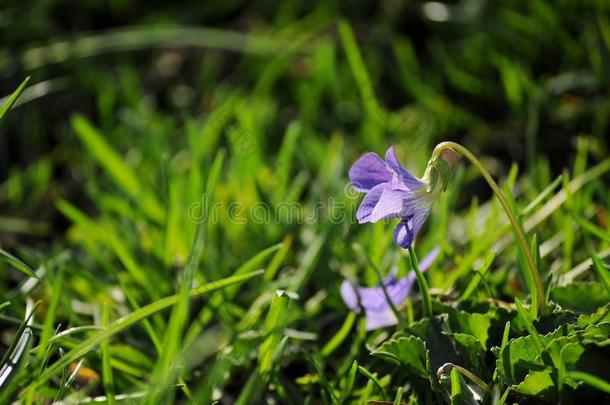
{"x":520,"y":234}
{"x":423,"y":284}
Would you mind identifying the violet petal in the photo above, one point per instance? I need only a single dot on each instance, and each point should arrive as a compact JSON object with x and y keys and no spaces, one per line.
{"x":405,"y":176}
{"x":368,"y":172}
{"x":369,"y":202}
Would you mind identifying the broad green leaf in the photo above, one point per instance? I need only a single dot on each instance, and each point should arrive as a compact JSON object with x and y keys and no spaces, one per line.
{"x":600,"y":316}
{"x":536,"y":383}
{"x":520,"y":356}
{"x":434,"y":334}
{"x":581,"y":296}
{"x":407,"y":351}
{"x":472,"y":350}
{"x":475,"y":324}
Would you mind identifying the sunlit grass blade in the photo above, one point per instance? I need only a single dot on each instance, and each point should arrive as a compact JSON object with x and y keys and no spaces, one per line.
{"x":171,"y":343}
{"x":349,"y":383}
{"x":257,"y":261}
{"x":107,"y":375}
{"x":124,"y":322}
{"x":135,"y":38}
{"x":363,"y":80}
{"x":602,"y":271}
{"x":278,"y":259}
{"x":340,"y":336}
{"x":478,"y":277}
{"x":456,"y":386}
{"x":276,"y":320}
{"x":527,"y":320}
{"x":49,"y":320}
{"x":11,"y":100}
{"x":17,"y":263}
{"x":13,"y":360}
{"x":590,"y":379}
{"x":591,"y":228}
{"x":373,"y":378}
{"x":119,"y":171}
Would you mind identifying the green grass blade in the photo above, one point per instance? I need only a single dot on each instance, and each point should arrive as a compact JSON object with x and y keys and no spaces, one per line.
{"x":275,"y":323}
{"x":591,"y":228}
{"x":107,"y":376}
{"x":479,"y":276}
{"x":124,"y":322}
{"x":602,"y":271}
{"x":363,"y":81}
{"x":373,"y":378}
{"x":119,"y":171}
{"x":162,"y":376}
{"x":340,"y":336}
{"x":525,"y":316}
{"x":11,"y":100}
{"x":590,"y":379}
{"x":17,"y":263}
{"x":49,"y":320}
{"x":456,"y":386}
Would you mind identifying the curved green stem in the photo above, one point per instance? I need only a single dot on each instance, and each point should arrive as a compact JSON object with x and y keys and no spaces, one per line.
{"x":423,"y":284}
{"x":509,"y":213}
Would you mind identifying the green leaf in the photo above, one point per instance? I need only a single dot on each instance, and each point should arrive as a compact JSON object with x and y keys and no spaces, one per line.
{"x":440,"y":348}
{"x":475,"y":324}
{"x":520,"y":356}
{"x":601,"y":315}
{"x":536,"y":383}
{"x":581,"y":296}
{"x":408,"y":351}
{"x":474,"y":352}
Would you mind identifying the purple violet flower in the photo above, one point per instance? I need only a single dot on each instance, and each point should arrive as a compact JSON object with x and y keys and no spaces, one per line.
{"x":393,"y":192}
{"x":377,"y":310}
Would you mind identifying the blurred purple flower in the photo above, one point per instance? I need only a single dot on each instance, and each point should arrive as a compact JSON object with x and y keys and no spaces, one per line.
{"x":377,"y":310}
{"x":393,"y":192}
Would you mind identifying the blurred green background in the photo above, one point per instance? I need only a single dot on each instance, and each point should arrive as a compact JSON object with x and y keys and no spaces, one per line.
{"x":513,"y":78}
